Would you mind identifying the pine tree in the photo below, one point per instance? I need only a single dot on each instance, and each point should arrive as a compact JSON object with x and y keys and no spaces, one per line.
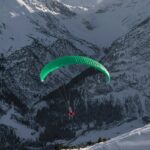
{"x":2,"y":69}
{"x":2,"y":62}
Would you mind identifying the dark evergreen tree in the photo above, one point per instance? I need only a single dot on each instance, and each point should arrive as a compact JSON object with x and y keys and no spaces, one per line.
{"x":2,"y":69}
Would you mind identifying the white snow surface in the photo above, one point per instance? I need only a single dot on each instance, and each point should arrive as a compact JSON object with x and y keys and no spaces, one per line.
{"x":21,"y":130}
{"x":138,"y":139}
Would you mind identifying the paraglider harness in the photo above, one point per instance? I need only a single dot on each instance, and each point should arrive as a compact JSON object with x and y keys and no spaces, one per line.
{"x":71,"y":113}
{"x":71,"y":110}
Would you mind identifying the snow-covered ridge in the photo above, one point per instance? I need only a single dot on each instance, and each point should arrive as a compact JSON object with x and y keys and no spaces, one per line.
{"x":138,"y":139}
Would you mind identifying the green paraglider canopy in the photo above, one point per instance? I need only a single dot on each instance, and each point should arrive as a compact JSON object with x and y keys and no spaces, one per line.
{"x":70,"y":60}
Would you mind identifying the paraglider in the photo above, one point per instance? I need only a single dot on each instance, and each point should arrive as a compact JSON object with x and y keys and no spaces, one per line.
{"x":71,"y":60}
{"x":71,"y":113}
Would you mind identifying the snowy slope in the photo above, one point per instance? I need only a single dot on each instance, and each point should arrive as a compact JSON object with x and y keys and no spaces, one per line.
{"x":103,"y":21}
{"x":99,"y":22}
{"x":21,"y":130}
{"x":109,"y":132}
{"x":138,"y":139}
{"x":21,"y":21}
{"x":15,"y":18}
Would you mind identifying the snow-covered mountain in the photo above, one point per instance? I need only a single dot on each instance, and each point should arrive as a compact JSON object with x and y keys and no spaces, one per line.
{"x":98,"y":21}
{"x":102,"y":21}
{"x":33,"y":32}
